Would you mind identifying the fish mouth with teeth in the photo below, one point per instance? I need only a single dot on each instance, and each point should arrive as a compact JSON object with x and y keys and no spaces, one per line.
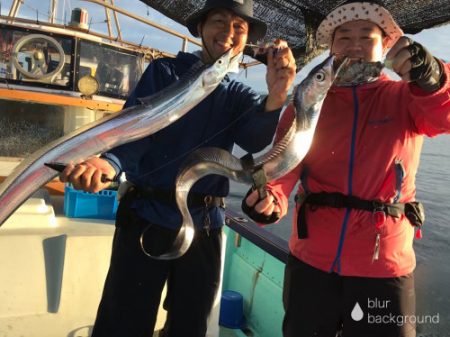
{"x":357,"y":71}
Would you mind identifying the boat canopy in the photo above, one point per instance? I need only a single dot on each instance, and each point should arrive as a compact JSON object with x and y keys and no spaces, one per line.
{"x":296,"y":20}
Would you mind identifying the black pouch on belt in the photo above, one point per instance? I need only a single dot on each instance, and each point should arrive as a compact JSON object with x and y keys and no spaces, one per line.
{"x":415,"y":213}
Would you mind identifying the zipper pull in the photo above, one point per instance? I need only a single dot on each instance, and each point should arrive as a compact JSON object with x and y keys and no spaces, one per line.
{"x":376,"y":252}
{"x":207,"y":223}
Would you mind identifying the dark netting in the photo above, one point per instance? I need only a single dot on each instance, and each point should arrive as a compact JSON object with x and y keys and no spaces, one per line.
{"x":296,"y":20}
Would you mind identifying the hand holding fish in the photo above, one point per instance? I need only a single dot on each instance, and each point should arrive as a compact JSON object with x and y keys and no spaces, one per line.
{"x":285,"y":155}
{"x":414,"y":63}
{"x":130,"y":124}
{"x":281,"y":70}
{"x":87,"y":175}
{"x":266,"y":206}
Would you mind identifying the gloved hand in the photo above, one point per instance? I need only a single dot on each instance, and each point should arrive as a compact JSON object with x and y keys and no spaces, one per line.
{"x":414,"y":63}
{"x":265,"y":211}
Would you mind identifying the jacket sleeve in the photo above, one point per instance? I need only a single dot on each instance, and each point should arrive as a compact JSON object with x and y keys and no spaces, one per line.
{"x":282,"y":187}
{"x":157,"y":76}
{"x":431,"y":111}
{"x":255,"y":127}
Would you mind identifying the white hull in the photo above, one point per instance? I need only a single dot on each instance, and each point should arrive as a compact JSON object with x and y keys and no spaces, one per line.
{"x":52,"y":270}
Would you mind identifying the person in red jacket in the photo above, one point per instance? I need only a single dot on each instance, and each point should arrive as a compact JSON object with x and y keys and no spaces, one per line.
{"x":351,"y":259}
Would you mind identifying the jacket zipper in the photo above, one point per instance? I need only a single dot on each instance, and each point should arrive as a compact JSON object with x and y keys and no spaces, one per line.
{"x":337,"y":260}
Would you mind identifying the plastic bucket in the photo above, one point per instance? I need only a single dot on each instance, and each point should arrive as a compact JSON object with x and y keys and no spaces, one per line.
{"x":231,"y":310}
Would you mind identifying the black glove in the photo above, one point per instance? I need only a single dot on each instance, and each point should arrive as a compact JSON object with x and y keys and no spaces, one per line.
{"x":258,"y":217}
{"x":427,"y":72}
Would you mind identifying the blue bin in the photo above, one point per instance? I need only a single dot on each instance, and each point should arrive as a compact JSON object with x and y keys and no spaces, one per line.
{"x":80,"y":204}
{"x":231,"y":310}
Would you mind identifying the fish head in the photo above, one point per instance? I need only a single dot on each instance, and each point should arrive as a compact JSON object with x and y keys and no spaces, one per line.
{"x":357,"y":71}
{"x":315,"y":86}
{"x":215,"y":73}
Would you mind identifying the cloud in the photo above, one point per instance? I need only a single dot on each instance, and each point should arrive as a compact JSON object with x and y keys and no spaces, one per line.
{"x":436,"y":40}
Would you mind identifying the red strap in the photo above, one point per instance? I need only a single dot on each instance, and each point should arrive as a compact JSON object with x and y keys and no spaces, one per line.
{"x":379,"y":218}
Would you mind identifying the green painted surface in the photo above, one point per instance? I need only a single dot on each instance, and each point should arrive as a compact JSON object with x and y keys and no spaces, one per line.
{"x":266,"y":316}
{"x":224,"y":332}
{"x":259,"y":278}
{"x":274,"y":270}
{"x":242,"y":278}
{"x":252,"y":254}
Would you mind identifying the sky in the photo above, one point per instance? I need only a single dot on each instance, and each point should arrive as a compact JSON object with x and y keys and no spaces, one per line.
{"x":437,"y":40}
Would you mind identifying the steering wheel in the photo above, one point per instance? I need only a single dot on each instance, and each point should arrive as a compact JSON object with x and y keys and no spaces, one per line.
{"x":39,"y":66}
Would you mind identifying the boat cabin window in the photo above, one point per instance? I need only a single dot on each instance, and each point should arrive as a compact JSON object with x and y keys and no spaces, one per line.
{"x":116,"y":71}
{"x":35,"y":57}
{"x":44,"y":69}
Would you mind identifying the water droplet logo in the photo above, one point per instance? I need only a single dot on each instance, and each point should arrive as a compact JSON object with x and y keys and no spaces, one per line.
{"x":357,"y":313}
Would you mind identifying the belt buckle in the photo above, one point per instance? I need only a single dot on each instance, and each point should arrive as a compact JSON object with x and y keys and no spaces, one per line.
{"x":208,"y":199}
{"x":124,"y":187}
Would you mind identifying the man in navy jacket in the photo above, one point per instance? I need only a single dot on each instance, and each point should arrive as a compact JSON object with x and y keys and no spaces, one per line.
{"x":134,"y":283}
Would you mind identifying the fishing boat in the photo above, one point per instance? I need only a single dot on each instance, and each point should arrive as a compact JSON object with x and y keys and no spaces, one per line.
{"x":56,"y":76}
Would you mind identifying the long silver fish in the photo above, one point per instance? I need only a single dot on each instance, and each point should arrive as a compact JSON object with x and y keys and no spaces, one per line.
{"x":156,"y":112}
{"x":284,"y":156}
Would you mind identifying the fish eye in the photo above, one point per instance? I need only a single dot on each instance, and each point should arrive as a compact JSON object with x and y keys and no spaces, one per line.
{"x":220,"y":61}
{"x":320,"y":76}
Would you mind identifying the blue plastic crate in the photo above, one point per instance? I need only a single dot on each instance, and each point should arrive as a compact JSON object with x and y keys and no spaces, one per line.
{"x":80,"y":204}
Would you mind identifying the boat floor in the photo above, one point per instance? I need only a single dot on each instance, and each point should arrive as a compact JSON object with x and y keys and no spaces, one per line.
{"x":57,"y":203}
{"x":223,"y":332}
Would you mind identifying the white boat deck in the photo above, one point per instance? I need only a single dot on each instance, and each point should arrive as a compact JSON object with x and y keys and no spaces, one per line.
{"x":52,"y":270}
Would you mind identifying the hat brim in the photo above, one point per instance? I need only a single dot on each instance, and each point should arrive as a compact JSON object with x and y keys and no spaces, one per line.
{"x":257,"y":29}
{"x":358,"y":11}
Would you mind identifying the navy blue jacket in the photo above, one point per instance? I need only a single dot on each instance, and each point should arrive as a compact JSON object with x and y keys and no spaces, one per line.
{"x":155,"y":160}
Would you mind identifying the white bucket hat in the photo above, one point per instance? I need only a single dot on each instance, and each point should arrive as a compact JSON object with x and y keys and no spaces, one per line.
{"x":353,"y":11}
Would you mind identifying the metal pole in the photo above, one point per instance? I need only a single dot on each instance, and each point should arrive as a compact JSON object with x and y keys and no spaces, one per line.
{"x":185,"y":45}
{"x":14,"y":8}
{"x":108,"y":22}
{"x":148,"y":22}
{"x":53,"y":11}
{"x":116,"y":19}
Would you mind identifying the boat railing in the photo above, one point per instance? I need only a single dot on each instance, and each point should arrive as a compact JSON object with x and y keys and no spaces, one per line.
{"x":270,"y":243}
{"x":185,"y":39}
{"x":12,"y":18}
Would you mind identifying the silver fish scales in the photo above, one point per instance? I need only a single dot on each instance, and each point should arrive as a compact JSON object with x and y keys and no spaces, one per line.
{"x":156,"y":112}
{"x":284,"y":156}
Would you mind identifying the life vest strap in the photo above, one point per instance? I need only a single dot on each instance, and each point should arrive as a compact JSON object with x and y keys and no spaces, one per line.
{"x":414,"y":211}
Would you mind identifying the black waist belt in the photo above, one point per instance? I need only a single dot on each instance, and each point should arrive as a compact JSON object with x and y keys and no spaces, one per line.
{"x":414,"y":211}
{"x":168,"y":197}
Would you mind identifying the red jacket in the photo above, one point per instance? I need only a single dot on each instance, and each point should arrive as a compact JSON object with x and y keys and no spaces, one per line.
{"x":367,"y":144}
